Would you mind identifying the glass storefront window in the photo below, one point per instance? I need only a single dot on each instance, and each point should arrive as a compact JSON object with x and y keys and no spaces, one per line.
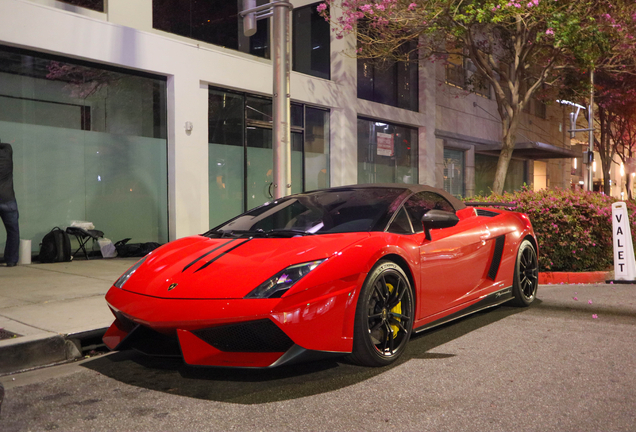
{"x":260,"y":165}
{"x":316,"y":149}
{"x":226,"y":113}
{"x":387,"y":153}
{"x":241,"y":151}
{"x":485,"y":168}
{"x":89,"y":143}
{"x":454,"y":172}
{"x":213,"y":21}
{"x":311,"y":50}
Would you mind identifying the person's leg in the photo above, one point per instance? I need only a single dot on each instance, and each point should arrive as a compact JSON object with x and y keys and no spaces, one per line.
{"x":9,"y":214}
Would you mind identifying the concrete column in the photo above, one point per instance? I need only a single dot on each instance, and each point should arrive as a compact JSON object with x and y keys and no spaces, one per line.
{"x":469,"y":172}
{"x":429,"y":154}
{"x":438,"y":163}
{"x":187,"y":156}
{"x":344,"y":122}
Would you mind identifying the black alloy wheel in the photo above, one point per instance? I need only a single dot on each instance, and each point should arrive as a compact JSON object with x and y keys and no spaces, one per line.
{"x":384,"y":316}
{"x":526,"y":278}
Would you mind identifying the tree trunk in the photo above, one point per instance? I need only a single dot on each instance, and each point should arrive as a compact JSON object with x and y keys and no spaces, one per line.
{"x":509,"y":129}
{"x":607,"y":188}
{"x":604,"y":148}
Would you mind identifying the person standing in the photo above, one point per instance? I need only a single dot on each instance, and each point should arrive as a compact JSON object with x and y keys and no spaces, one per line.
{"x":8,"y":205}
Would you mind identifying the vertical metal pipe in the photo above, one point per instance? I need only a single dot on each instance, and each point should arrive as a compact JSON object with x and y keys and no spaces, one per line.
{"x":281,"y":141}
{"x":590,"y":125}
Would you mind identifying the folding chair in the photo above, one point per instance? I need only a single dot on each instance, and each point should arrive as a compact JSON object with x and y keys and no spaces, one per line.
{"x":83,"y":236}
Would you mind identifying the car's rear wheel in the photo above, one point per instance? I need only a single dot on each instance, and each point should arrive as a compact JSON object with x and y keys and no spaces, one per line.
{"x":526,"y":279}
{"x":384,"y":316}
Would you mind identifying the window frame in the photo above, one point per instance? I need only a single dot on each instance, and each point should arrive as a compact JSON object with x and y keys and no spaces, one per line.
{"x":262,"y":124}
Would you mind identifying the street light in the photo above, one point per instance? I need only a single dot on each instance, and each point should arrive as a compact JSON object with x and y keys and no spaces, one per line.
{"x":281,"y":131}
{"x":249,"y":20}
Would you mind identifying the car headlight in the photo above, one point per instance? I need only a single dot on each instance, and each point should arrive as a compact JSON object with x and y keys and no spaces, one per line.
{"x":278,"y":284}
{"x":124,"y":278}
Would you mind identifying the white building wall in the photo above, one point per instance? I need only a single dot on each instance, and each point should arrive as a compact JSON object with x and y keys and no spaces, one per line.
{"x":190,"y":66}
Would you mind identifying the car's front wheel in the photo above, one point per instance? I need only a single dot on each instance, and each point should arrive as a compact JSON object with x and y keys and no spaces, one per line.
{"x":384,"y":316}
{"x":526,"y":278}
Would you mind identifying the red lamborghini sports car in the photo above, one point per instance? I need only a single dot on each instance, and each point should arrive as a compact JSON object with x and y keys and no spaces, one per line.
{"x":344,"y":271}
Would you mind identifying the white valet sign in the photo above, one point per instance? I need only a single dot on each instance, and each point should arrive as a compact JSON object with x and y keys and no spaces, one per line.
{"x":624,"y":262}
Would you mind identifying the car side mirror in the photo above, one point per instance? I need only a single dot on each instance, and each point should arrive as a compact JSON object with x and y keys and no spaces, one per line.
{"x":438,"y":219}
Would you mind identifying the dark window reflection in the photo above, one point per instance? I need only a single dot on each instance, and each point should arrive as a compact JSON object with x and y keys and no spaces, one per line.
{"x":311,"y":42}
{"x":401,"y":224}
{"x":296,"y":115}
{"x":259,"y":109}
{"x":96,"y":5}
{"x":365,"y":80}
{"x":225,"y":118}
{"x":316,"y":130}
{"x":213,"y":21}
{"x":389,"y":83}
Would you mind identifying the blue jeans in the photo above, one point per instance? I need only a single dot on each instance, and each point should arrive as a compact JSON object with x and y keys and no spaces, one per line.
{"x":9,"y":215}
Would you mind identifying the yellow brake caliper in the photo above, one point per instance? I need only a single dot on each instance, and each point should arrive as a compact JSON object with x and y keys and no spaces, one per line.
{"x":397,"y":309}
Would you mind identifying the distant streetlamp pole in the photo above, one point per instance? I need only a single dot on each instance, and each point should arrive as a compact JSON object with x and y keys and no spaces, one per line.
{"x":281,"y":130}
{"x":590,"y":123}
{"x":589,"y":160}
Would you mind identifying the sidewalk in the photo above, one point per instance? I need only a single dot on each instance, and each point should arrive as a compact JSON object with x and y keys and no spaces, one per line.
{"x":55,"y":309}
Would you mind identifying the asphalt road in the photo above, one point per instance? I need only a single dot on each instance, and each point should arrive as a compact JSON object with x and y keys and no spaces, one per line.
{"x":550,"y":367}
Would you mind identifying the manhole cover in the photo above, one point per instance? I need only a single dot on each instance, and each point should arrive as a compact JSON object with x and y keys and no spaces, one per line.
{"x":4,"y":334}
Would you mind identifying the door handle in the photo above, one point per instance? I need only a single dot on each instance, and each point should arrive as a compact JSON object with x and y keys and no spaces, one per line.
{"x":269,"y":190}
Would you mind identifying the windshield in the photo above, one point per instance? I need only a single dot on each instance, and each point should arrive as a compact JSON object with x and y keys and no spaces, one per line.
{"x":320,"y":212}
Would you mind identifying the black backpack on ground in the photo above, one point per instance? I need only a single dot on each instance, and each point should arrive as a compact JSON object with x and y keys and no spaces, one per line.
{"x":55,"y":247}
{"x":126,"y":250}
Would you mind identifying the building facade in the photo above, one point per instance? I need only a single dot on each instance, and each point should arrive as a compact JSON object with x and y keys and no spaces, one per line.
{"x":152,"y":118}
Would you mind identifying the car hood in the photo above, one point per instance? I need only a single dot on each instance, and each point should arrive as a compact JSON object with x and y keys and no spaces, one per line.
{"x":199,"y":267}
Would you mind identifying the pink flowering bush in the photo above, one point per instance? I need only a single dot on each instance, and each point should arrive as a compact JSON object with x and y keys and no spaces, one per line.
{"x":574,"y":228}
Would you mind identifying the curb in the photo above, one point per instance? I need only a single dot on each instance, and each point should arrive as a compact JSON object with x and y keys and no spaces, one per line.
{"x":546,"y":278}
{"x":29,"y":352}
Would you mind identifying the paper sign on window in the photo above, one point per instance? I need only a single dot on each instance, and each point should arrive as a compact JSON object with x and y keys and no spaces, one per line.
{"x":385,"y":144}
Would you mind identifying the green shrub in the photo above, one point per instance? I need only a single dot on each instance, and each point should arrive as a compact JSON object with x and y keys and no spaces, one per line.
{"x":574,"y":228}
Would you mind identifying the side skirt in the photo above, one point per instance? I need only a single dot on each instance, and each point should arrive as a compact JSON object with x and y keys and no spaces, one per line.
{"x":491,"y":300}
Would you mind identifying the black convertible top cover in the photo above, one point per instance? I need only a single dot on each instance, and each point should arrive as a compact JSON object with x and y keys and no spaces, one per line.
{"x":413,"y":188}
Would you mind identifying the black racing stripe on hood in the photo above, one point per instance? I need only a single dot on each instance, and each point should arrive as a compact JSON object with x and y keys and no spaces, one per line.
{"x":221,"y":254}
{"x":206,"y":254}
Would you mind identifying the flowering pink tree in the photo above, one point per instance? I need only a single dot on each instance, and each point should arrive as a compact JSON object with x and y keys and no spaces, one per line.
{"x":517,"y":47}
